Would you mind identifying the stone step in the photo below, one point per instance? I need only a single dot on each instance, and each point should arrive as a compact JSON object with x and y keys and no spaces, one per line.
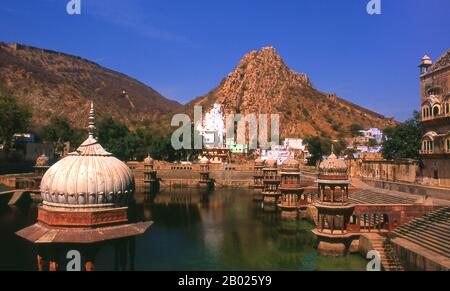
{"x":436,"y":226}
{"x":440,"y":222}
{"x":430,"y":231}
{"x":389,"y":265}
{"x":389,"y":260}
{"x":442,"y":236}
{"x":419,"y":227}
{"x":439,"y":216}
{"x":425,"y":244}
{"x":425,"y":235}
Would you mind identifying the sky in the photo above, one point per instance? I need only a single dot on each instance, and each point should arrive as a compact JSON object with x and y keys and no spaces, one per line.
{"x":183,"y":49}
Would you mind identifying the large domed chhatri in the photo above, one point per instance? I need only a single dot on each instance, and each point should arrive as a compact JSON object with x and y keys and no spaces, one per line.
{"x":88,"y":177}
{"x":86,"y":197}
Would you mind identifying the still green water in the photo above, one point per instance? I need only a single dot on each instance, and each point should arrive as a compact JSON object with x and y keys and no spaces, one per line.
{"x":199,"y":231}
{"x":224,"y":230}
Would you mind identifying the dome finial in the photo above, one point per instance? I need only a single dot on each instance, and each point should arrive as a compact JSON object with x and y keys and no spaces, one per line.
{"x":91,"y":127}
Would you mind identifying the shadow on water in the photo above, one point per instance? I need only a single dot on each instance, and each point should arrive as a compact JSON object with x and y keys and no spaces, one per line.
{"x":197,"y":230}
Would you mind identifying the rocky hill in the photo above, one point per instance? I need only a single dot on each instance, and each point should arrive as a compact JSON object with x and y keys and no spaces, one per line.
{"x":263,"y":83}
{"x":54,"y":83}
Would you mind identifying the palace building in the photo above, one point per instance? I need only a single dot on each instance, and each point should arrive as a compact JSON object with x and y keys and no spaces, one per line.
{"x":435,"y":103}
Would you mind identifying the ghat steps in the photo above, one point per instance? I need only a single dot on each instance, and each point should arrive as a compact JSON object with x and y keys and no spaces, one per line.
{"x":389,"y":260}
{"x":431,"y":231}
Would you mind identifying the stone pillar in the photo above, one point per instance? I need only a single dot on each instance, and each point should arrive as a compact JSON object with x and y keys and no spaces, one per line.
{"x":40,"y":263}
{"x":53,"y":266}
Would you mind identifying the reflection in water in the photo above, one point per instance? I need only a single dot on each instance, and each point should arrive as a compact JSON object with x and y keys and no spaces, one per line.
{"x":15,"y":252}
{"x":201,"y":230}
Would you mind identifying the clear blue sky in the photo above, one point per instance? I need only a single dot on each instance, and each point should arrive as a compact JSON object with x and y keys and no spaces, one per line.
{"x":183,"y":48}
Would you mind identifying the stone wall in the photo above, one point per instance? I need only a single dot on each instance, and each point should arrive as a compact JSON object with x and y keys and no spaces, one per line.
{"x":10,"y":180}
{"x":436,"y":172}
{"x":395,"y":171}
{"x":179,"y":175}
{"x":365,"y":245}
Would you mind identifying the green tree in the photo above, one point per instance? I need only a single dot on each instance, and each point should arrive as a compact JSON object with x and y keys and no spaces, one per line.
{"x":373,"y":142}
{"x":161,"y":149}
{"x":59,"y":131}
{"x":318,"y":148}
{"x":403,"y":141}
{"x":14,"y":118}
{"x":340,"y":147}
{"x":349,"y":152}
{"x":355,"y":130}
{"x":115,"y":137}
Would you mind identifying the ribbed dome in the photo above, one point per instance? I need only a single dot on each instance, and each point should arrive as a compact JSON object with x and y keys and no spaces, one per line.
{"x":333,"y":166}
{"x":271,"y":164}
{"x":291,"y":163}
{"x":42,"y":161}
{"x":204,"y":160}
{"x":426,"y":61}
{"x":88,"y":177}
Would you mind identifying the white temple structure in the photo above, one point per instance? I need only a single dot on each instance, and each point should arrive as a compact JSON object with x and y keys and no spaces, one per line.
{"x":213,"y":128}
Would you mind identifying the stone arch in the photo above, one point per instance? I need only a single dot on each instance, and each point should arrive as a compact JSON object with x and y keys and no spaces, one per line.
{"x":436,"y":111}
{"x":426,"y":110}
{"x":446,"y":106}
{"x":447,"y":142}
{"x":428,"y":142}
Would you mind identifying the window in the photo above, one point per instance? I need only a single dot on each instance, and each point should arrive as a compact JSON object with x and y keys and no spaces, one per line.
{"x":447,"y":108}
{"x":436,"y":110}
{"x":436,"y":175}
{"x":426,"y":112}
{"x":448,"y":145}
{"x":427,"y":146}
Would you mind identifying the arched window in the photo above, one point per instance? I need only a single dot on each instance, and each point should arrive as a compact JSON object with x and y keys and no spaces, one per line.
{"x":447,"y":142}
{"x":436,"y":110}
{"x":426,"y":112}
{"x":447,"y":108}
{"x":427,"y":146}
